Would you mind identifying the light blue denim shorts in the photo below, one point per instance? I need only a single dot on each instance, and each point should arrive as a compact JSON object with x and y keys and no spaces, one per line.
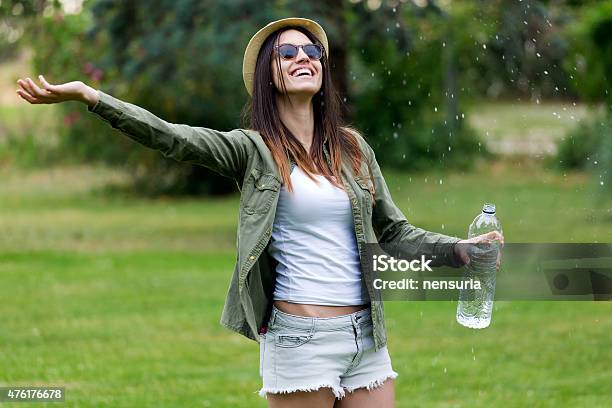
{"x":300,"y":353}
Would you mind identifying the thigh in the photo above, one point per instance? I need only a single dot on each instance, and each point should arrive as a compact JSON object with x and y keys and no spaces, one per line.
{"x":323,"y":397}
{"x":382,"y":396}
{"x":371,"y":381}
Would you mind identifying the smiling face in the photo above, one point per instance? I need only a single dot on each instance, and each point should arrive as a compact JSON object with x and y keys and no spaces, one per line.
{"x":310,"y":80}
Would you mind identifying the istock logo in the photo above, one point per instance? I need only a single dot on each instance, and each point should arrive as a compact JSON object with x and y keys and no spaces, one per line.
{"x":384,"y":263}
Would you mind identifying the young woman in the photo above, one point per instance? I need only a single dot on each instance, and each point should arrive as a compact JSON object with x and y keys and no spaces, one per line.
{"x":312,"y":194}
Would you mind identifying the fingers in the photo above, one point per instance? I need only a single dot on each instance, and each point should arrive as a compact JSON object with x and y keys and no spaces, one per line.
{"x":492,"y":236}
{"x":36,"y":90}
{"x":27,"y":83}
{"x":26,"y":96}
{"x":25,"y":92}
{"x":47,"y":86}
{"x":24,"y":85}
{"x":498,"y":236}
{"x":31,"y":92}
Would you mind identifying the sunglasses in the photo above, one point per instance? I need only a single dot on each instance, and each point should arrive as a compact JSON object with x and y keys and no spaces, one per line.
{"x":290,"y":51}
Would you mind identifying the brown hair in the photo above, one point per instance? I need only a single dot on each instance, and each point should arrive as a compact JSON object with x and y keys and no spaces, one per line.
{"x":262,"y":115}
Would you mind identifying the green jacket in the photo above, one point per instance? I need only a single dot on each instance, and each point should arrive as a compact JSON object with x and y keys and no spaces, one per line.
{"x":242,"y":155}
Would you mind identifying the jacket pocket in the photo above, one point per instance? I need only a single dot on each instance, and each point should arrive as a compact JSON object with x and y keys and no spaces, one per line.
{"x":259,"y":191}
{"x":366,"y":188}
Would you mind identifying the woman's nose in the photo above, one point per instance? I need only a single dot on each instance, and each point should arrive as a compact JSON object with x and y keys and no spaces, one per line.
{"x":301,"y":56}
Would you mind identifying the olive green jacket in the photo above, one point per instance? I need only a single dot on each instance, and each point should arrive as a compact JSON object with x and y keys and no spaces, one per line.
{"x":242,"y":155}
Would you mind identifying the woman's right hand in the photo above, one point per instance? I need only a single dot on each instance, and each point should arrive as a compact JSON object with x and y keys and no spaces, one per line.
{"x":70,"y":91}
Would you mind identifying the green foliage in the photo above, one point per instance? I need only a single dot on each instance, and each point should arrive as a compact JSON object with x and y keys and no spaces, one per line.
{"x":16,"y":18}
{"x":179,"y":60}
{"x":576,"y":149}
{"x":589,"y":147}
{"x":590,"y":58}
{"x":398,"y":73}
{"x":518,"y":48}
{"x":590,"y":63}
{"x":411,"y":71}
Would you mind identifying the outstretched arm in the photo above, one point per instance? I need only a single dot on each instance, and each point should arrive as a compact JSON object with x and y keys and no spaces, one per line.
{"x":223,"y":152}
{"x":391,"y":226}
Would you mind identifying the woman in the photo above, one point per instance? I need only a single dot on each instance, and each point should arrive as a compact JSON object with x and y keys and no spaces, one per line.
{"x":312,"y":195}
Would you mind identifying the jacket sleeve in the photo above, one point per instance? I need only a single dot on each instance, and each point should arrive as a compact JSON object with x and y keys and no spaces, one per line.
{"x":225,"y":153}
{"x":392,"y":227}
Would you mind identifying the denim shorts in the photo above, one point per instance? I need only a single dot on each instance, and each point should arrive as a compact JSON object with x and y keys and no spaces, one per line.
{"x":300,"y":353}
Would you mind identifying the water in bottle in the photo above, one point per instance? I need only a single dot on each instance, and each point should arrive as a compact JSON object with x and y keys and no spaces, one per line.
{"x":476,"y":305}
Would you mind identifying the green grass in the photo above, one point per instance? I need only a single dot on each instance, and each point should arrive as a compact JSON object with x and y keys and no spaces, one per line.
{"x":503,"y":119}
{"x":118,"y":299}
{"x":530,"y":128}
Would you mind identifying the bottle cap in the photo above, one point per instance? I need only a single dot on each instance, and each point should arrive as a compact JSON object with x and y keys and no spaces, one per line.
{"x":488,"y":208}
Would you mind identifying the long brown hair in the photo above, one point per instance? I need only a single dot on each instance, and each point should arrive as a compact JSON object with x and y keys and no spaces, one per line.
{"x":261,"y":114}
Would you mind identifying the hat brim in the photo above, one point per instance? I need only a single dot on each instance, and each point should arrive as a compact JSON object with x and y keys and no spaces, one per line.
{"x":252,"y":50}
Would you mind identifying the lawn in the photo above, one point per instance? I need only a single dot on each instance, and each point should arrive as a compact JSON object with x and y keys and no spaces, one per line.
{"x":118,"y":299}
{"x":531,"y":127}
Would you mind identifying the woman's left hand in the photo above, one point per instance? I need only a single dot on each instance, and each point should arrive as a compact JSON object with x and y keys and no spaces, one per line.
{"x":461,"y":249}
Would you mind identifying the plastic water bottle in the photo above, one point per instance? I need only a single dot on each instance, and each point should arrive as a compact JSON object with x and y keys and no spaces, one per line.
{"x":476,"y":305}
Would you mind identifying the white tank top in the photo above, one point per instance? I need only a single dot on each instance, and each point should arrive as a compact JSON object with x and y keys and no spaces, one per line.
{"x":313,"y":240}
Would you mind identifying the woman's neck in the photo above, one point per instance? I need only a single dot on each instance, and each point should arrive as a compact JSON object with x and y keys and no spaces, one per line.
{"x":299,"y":118}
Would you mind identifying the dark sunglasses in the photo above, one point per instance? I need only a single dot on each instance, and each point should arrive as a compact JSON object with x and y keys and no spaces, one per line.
{"x":290,"y":51}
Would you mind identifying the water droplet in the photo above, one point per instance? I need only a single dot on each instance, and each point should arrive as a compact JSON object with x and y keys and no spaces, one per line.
{"x":435,"y":108}
{"x":545,"y":72}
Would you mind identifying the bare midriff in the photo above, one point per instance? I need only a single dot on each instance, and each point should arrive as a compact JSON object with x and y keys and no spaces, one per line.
{"x":301,"y":309}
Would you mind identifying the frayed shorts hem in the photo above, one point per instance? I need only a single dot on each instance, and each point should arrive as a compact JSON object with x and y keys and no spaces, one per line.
{"x":339,"y":392}
{"x":374,"y":384}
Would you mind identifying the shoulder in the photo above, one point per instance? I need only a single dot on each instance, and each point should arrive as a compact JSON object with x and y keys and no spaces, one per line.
{"x":247,"y":136}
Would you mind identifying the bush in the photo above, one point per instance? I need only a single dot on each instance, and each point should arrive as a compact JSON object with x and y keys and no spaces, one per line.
{"x":580,"y":146}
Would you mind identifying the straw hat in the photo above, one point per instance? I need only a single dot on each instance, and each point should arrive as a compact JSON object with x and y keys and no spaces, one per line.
{"x":252,"y":49}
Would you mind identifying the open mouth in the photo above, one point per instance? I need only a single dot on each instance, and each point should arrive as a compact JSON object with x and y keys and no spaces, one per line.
{"x":302,"y":72}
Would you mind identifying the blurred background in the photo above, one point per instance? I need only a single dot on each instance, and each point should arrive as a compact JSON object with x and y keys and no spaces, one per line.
{"x":115,"y":262}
